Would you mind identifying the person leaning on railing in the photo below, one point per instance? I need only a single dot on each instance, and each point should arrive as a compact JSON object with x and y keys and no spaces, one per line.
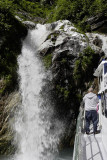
{"x":90,"y":104}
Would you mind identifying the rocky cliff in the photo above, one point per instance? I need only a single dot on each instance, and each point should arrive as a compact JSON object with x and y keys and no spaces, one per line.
{"x":70,"y":58}
{"x":12,"y":32}
{"x":8,"y":106}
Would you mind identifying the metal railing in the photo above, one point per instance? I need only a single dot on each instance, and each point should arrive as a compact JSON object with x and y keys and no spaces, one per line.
{"x":78,"y":145}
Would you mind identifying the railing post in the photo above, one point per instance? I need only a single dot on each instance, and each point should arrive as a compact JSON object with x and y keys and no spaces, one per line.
{"x":100,"y":112}
{"x":77,"y":155}
{"x":84,"y":119}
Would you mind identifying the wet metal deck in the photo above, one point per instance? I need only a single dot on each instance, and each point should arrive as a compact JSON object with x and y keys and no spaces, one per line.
{"x":94,"y":149}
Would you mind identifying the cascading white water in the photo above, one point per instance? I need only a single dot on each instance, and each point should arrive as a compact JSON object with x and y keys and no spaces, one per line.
{"x":33,"y":137}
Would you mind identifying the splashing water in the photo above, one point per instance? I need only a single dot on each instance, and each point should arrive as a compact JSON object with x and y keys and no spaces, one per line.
{"x":32,"y":125}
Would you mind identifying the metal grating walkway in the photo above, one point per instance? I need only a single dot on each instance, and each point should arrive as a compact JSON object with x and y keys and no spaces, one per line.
{"x":94,"y":149}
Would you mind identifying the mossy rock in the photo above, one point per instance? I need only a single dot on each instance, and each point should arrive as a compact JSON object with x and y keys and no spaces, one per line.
{"x":47,"y":60}
{"x":11,"y":103}
{"x":53,"y":36}
{"x":62,"y":27}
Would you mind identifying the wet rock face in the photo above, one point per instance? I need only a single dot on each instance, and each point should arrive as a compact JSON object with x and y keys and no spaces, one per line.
{"x":8,"y":105}
{"x":63,"y":36}
{"x":64,"y":43}
{"x":29,"y":24}
{"x":98,"y":42}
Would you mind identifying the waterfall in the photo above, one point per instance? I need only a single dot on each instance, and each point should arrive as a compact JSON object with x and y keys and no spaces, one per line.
{"x":33,"y":135}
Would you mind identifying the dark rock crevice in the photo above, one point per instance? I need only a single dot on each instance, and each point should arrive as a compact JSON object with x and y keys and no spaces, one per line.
{"x":97,"y":21}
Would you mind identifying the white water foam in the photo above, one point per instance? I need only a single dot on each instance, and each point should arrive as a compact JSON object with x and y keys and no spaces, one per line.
{"x":32,"y":125}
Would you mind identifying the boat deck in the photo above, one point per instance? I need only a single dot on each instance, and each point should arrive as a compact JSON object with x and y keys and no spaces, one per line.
{"x":90,"y":146}
{"x":94,"y":148}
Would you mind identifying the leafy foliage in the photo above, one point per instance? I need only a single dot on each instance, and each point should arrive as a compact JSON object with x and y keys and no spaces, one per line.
{"x":84,"y":66}
{"x":32,"y":7}
{"x":63,"y":10}
{"x":47,"y":59}
{"x":11,"y":32}
{"x":78,"y":11}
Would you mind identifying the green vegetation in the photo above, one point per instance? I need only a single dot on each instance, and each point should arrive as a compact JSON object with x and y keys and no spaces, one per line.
{"x":78,"y":11}
{"x":63,"y":61}
{"x":70,"y":82}
{"x":23,"y":8}
{"x":11,"y":32}
{"x":84,"y":66}
{"x":62,"y":27}
{"x":63,"y":10}
{"x":47,"y":59}
{"x":75,"y":11}
{"x":34,"y":8}
{"x":53,"y":36}
{"x":63,"y":92}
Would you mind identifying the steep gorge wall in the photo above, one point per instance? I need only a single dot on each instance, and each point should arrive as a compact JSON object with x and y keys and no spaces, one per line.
{"x":11,"y":34}
{"x":8,"y":107}
{"x":67,"y":55}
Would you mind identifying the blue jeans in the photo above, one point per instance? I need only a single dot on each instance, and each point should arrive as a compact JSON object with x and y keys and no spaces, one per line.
{"x":91,"y":116}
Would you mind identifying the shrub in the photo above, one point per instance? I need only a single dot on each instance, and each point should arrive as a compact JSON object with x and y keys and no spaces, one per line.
{"x":11,"y":31}
{"x":84,"y":65}
{"x":63,"y":10}
{"x":47,"y":59}
{"x":32,"y":7}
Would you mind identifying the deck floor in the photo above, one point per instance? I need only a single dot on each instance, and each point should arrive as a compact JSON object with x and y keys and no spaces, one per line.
{"x":94,"y":149}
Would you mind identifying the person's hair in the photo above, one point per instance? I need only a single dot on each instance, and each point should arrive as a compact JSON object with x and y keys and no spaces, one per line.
{"x":90,"y":89}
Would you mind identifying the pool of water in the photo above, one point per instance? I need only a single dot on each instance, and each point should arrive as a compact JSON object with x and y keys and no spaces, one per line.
{"x":65,"y":154}
{"x":5,"y":158}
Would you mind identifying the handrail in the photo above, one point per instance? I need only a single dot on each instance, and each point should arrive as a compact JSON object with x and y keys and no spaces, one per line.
{"x":78,"y":149}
